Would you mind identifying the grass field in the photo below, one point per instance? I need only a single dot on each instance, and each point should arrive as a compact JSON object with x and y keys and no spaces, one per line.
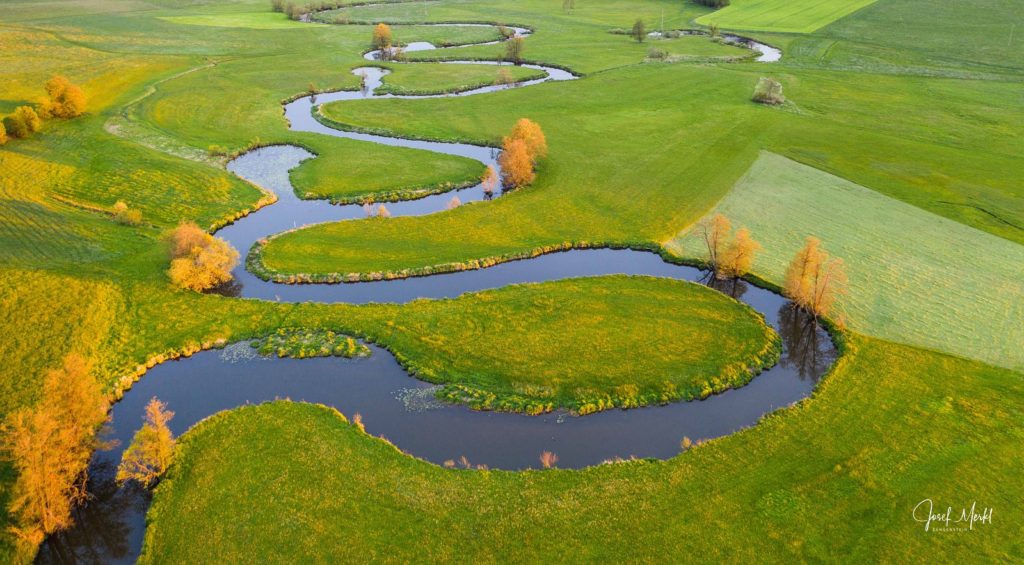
{"x":963,"y":39}
{"x":803,"y":16}
{"x":692,"y":149}
{"x":874,"y":441}
{"x":355,"y":169}
{"x":908,"y":282}
{"x":436,"y":79}
{"x":638,"y":152}
{"x":607,"y":358}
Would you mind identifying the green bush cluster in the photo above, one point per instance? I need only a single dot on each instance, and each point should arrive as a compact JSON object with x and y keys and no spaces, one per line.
{"x":301,"y":343}
{"x":768,"y":91}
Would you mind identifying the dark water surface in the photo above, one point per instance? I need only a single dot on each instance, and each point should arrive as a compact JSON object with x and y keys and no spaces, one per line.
{"x":111,"y":526}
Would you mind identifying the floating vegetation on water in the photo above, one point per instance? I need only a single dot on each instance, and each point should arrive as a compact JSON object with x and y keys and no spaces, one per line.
{"x":238,"y":352}
{"x":420,"y":399}
{"x":301,"y":343}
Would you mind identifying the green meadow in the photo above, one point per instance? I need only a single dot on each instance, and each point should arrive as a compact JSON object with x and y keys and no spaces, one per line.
{"x":532,"y":364}
{"x":780,"y":16}
{"x":899,"y":145}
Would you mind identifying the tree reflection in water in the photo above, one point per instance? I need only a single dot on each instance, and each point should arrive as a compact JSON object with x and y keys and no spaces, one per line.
{"x":100,"y":533}
{"x":733,"y":287}
{"x":809,"y":346}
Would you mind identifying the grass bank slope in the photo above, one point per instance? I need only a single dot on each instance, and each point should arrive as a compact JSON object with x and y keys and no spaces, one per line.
{"x":782,"y":16}
{"x":290,"y":482}
{"x":914,"y":277}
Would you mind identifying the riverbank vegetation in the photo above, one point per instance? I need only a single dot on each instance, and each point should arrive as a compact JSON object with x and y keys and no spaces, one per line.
{"x":301,"y":343}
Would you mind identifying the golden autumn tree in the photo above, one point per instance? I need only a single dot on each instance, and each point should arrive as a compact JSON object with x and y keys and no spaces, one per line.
{"x":382,"y":38}
{"x":714,"y":233}
{"x":50,"y":446}
{"x":531,"y":134}
{"x":199,"y":261}
{"x":514,"y":48}
{"x":152,"y":447}
{"x":3,"y":133}
{"x":738,"y":257}
{"x":65,"y":100}
{"x":15,"y":126}
{"x":516,"y":163}
{"x":814,"y":280}
{"x":29,"y":117}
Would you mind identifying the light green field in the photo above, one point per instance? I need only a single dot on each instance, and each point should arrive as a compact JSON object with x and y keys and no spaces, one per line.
{"x":977,"y":39}
{"x":914,"y":277}
{"x":782,"y":16}
{"x":434,"y":79}
{"x":356,"y":170}
{"x":254,"y":20}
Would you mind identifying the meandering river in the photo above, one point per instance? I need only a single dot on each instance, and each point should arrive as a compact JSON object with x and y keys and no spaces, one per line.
{"x":110,"y":527}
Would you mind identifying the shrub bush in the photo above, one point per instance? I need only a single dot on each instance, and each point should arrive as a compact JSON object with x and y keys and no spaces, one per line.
{"x":126,"y":216}
{"x":199,"y":261}
{"x":16,"y":126}
{"x":768,"y":91}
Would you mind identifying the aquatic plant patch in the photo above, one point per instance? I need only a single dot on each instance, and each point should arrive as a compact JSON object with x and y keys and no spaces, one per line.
{"x":301,"y":343}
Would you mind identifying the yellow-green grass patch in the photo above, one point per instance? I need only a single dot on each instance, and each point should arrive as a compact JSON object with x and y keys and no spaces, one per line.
{"x":784,"y":16}
{"x":252,"y":20}
{"x":915,"y":277}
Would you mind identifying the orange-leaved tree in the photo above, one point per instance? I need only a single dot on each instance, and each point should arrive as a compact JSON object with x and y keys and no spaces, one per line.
{"x":728,"y":255}
{"x":66,"y":100}
{"x":151,"y":449}
{"x":516,"y":163}
{"x":199,"y":261}
{"x":531,"y":134}
{"x":714,"y":232}
{"x":29,"y":117}
{"x":814,"y":280}
{"x":521,"y":149}
{"x":382,"y":36}
{"x":738,"y":257}
{"x":50,"y":446}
